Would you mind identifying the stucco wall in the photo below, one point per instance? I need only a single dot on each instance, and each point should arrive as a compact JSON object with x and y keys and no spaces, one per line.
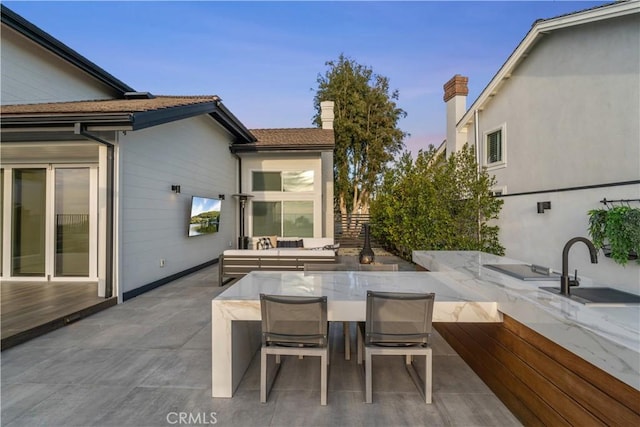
{"x":30,"y":74}
{"x":571,"y":109}
{"x":540,"y":238}
{"x":194,"y":154}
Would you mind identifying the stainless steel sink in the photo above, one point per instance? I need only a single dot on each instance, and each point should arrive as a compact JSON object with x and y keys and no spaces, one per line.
{"x":525,"y":271}
{"x":598,"y":296}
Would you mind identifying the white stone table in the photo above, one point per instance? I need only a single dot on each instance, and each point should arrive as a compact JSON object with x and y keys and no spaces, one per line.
{"x":235,"y":327}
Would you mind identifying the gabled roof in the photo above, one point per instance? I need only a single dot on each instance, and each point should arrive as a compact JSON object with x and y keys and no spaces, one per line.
{"x":48,"y":42}
{"x":295,"y":139}
{"x":128,"y":114}
{"x":136,"y":110}
{"x":539,"y":29}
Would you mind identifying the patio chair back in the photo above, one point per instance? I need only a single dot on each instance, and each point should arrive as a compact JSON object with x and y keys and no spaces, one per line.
{"x":294,"y":320}
{"x":398,"y":319}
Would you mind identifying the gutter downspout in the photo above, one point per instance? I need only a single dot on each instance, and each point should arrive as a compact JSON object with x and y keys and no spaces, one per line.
{"x":240,"y":216}
{"x":108,"y":280}
{"x":476,"y":128}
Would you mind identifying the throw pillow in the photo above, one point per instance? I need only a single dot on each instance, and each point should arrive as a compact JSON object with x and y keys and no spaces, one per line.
{"x":286,"y":244}
{"x":264,"y":243}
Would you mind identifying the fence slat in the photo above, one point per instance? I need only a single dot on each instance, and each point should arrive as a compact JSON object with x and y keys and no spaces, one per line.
{"x":349,"y":231}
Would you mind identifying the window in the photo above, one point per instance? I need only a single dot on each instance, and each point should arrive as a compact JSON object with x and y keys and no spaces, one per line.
{"x":495,"y":147}
{"x":283,"y":218}
{"x":267,"y":181}
{"x":287,"y":181}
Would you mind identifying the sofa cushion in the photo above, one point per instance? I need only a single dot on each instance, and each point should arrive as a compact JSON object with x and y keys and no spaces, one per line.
{"x":290,"y":243}
{"x":317,"y":242}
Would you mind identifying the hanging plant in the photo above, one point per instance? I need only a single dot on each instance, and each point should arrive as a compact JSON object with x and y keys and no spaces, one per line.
{"x":617,"y":232}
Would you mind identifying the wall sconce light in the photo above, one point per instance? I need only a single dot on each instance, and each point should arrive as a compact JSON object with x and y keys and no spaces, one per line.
{"x":175,"y":188}
{"x":542,"y":206}
{"x":221,"y":196}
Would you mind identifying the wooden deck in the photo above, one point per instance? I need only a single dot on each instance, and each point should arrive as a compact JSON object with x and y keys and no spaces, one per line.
{"x":30,"y":309}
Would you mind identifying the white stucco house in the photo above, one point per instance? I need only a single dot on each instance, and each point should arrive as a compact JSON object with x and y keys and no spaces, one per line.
{"x":97,"y":179}
{"x":560,"y":123}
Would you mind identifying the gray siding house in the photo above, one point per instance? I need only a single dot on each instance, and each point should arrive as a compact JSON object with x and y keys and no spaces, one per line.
{"x":97,"y":178}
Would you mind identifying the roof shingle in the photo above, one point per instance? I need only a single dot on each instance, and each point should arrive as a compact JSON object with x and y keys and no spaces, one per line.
{"x":293,"y":137}
{"x":107,"y":106}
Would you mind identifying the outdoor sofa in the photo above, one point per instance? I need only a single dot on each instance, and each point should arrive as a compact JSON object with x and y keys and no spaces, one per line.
{"x":291,"y":255}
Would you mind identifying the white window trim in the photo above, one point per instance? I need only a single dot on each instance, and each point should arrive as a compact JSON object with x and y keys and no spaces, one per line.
{"x":499,"y":189}
{"x":503,"y":162}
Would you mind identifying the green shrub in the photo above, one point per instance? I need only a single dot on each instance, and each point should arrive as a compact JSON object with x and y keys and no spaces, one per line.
{"x":433,"y":203}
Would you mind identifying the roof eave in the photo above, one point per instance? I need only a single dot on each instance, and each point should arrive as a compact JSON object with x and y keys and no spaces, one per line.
{"x":35,"y":121}
{"x":538,"y":30}
{"x":135,"y":120}
{"x":48,"y":42}
{"x":230,"y":122}
{"x":253,"y":148}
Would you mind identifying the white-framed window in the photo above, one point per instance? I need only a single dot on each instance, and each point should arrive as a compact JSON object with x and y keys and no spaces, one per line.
{"x":285,"y":181}
{"x":495,"y":147}
{"x":286,"y":218}
{"x":498,"y":191}
{"x":284,"y":202}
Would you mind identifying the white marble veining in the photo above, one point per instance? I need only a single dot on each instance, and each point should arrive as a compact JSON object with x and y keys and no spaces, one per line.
{"x":607,"y":337}
{"x":235,"y":338}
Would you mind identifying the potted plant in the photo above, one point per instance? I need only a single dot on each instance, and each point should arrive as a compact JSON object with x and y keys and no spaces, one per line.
{"x":617,"y":232}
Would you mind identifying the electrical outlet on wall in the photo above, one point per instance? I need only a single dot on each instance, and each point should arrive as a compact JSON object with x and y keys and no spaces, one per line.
{"x":162,"y":262}
{"x":230,"y":244}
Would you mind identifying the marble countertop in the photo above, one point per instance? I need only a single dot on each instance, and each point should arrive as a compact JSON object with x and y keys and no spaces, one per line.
{"x":346,"y":293}
{"x":607,"y":337}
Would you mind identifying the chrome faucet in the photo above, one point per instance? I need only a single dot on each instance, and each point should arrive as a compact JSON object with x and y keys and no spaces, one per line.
{"x":565,"y":282}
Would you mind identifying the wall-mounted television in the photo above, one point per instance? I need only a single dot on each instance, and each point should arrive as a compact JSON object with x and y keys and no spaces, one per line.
{"x":205,"y":216}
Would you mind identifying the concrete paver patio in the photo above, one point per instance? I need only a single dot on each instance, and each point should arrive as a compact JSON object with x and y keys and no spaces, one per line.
{"x":147,"y":362}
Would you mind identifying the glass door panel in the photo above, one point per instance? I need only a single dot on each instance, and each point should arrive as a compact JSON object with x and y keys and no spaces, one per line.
{"x":1,"y":222}
{"x":71,"y":222}
{"x":298,"y":219}
{"x":29,"y":222}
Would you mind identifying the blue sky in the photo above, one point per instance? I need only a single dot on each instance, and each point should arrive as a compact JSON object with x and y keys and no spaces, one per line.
{"x":263,"y":58}
{"x":201,"y":204}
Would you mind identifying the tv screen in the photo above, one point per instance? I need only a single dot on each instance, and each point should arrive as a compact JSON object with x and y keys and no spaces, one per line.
{"x":205,"y":216}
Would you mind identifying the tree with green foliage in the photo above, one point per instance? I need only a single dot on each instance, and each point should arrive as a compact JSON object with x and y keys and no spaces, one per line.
{"x":367,"y":136}
{"x":436,"y":203}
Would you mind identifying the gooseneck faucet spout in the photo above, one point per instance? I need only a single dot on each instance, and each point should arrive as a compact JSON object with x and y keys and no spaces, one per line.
{"x":565,"y":282}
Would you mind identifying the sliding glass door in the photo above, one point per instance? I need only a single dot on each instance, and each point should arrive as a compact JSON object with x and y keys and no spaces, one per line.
{"x":29,"y":222}
{"x":72,"y":222}
{"x":52,"y":214}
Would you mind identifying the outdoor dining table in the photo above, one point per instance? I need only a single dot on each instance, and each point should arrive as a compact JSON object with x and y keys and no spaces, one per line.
{"x":235,"y":313}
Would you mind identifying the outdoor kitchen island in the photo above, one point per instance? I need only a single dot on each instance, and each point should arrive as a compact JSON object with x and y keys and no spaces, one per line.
{"x":552,"y":360}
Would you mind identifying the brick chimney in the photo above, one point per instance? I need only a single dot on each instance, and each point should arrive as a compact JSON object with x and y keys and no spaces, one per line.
{"x":455,"y":95}
{"x":326,"y":114}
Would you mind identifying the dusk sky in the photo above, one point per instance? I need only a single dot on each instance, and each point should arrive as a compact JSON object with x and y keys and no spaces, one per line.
{"x":263,"y":58}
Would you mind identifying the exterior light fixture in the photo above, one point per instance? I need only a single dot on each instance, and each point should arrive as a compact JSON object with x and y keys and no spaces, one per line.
{"x":175,"y":188}
{"x":542,"y":206}
{"x":221,"y":196}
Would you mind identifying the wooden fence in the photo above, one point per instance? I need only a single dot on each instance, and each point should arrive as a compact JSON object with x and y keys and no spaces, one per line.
{"x":349,"y":231}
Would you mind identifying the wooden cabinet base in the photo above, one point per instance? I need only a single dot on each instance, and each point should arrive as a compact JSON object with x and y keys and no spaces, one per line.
{"x":539,"y":381}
